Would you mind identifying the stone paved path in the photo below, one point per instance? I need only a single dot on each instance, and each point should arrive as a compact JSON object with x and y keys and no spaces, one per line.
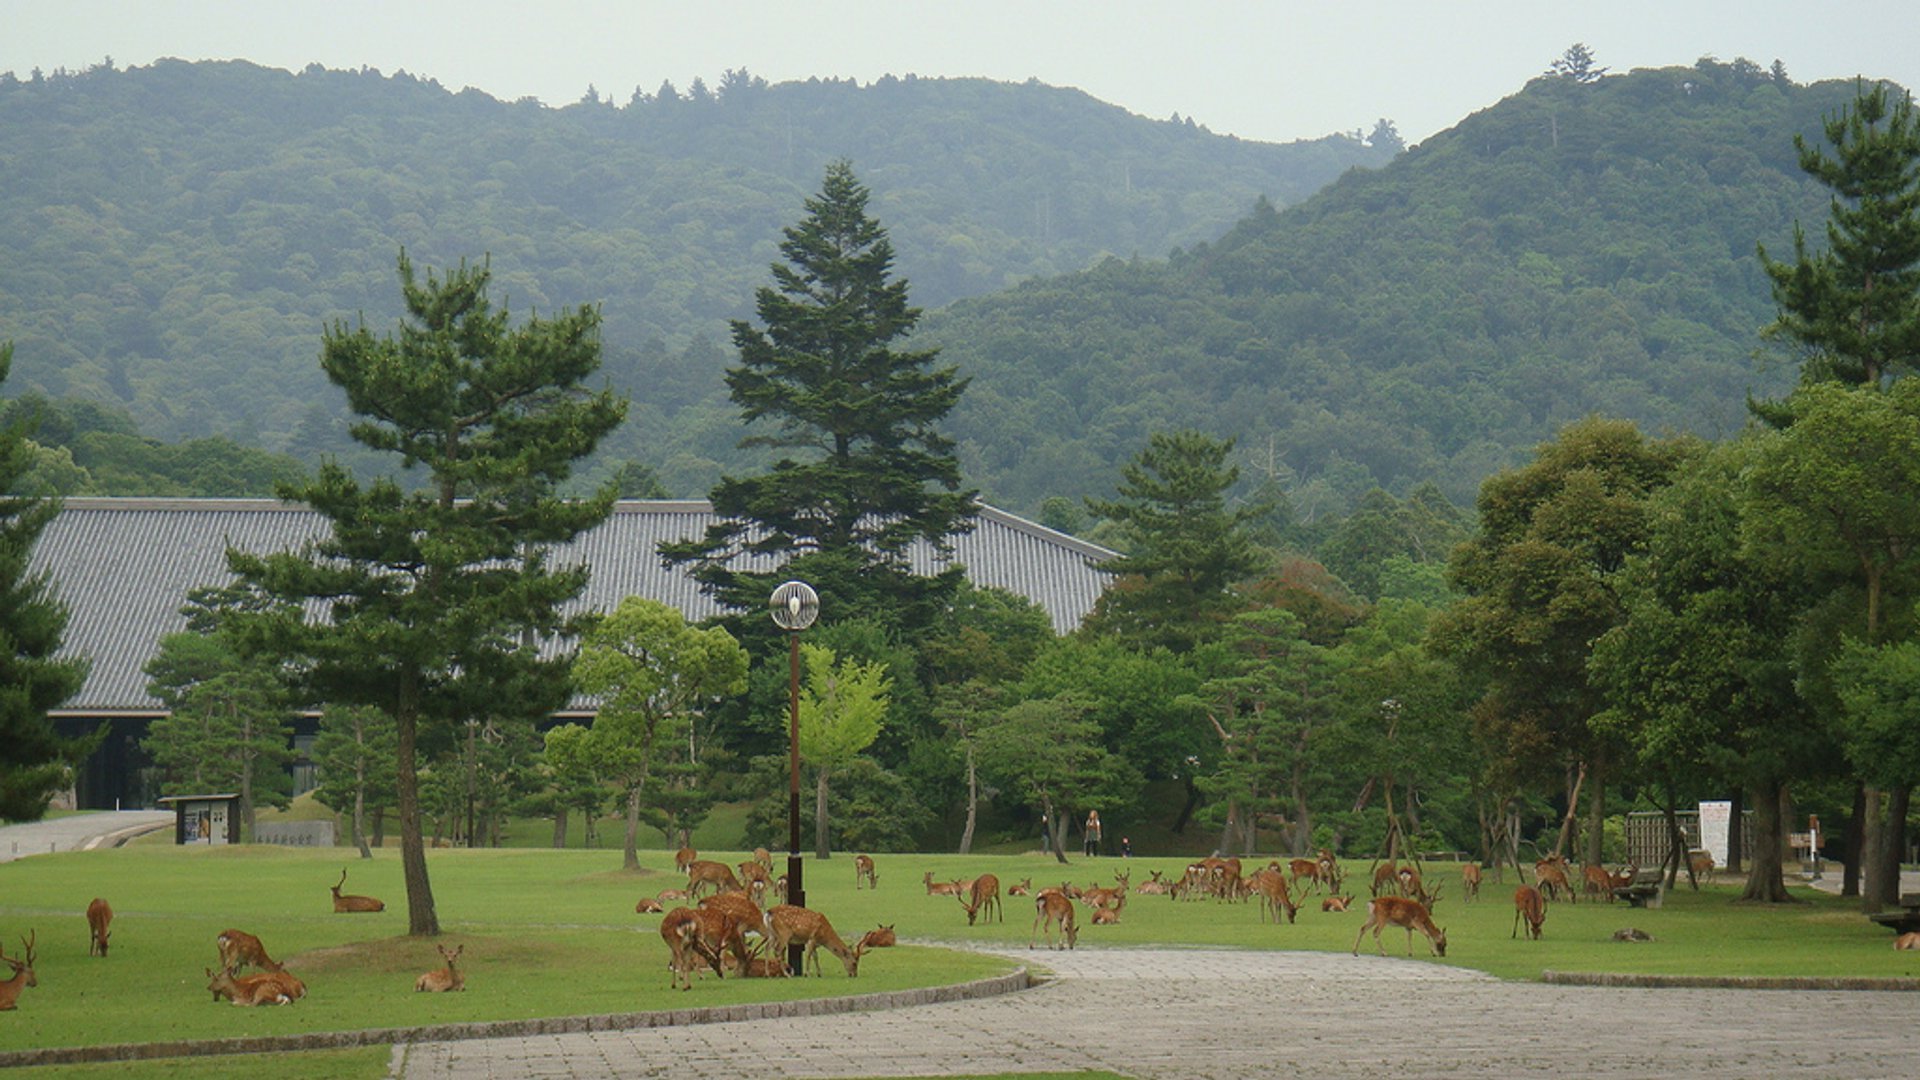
{"x":1222,"y":1014}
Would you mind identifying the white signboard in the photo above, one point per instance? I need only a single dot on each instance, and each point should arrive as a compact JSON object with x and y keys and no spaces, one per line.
{"x":1715,"y":820}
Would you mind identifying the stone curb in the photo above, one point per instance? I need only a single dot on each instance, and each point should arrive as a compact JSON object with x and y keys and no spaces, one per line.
{"x":1727,"y":982}
{"x":1017,"y":980}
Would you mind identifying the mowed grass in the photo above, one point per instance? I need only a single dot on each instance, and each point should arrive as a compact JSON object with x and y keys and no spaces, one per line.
{"x":553,"y":933}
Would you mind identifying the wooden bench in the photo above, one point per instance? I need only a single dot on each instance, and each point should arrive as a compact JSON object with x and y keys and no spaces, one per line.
{"x":1904,"y":919}
{"x":1645,"y":888}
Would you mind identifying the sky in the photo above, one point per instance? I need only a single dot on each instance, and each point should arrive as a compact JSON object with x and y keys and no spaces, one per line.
{"x":1273,"y":71}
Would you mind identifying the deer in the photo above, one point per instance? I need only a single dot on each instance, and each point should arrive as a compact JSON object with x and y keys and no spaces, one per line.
{"x":752,"y":874}
{"x":1025,"y":887}
{"x":880,"y":937}
{"x":1470,"y":882}
{"x":673,"y":896}
{"x":23,"y":975}
{"x":764,"y":858}
{"x":684,"y":858}
{"x":1596,"y":881}
{"x":703,"y":872}
{"x":941,"y":888}
{"x":648,"y":906}
{"x":1908,"y":940}
{"x":1307,"y":870}
{"x":99,"y":914}
{"x":1095,"y":896}
{"x":863,"y":871}
{"x":1049,"y":908}
{"x":1701,"y":864}
{"x":738,"y":916}
{"x":264,"y":989}
{"x":1272,"y":887}
{"x":441,"y":980}
{"x":1336,"y":903}
{"x":238,"y":947}
{"x":351,"y":903}
{"x":1528,"y":906}
{"x":1550,"y":875}
{"x":1329,"y":869}
{"x":1384,"y":875}
{"x":984,"y":896}
{"x":1105,"y":916}
{"x":789,"y":925}
{"x":1385,"y":911}
{"x":1409,"y":879}
{"x":682,"y":931}
{"x":1155,"y":885}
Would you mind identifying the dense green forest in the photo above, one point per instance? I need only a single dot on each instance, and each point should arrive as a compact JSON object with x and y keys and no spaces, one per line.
{"x":174,"y":238}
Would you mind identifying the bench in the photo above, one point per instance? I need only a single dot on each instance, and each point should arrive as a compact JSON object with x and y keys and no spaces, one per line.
{"x":1645,"y":888}
{"x":1904,"y":919}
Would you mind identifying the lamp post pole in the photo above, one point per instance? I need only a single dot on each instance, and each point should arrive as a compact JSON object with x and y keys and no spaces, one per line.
{"x":794,"y":607}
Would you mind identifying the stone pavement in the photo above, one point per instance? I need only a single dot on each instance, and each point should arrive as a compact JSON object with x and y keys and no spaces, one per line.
{"x":1205,"y":1013}
{"x":79,"y":832}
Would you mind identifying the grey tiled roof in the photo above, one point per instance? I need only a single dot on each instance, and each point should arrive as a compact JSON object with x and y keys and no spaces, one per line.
{"x":124,"y":567}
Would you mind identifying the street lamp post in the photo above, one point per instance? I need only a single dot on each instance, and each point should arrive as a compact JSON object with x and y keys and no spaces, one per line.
{"x":794,"y":607}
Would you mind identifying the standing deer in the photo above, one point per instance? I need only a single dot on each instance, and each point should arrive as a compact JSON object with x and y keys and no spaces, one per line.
{"x":764,"y":858}
{"x":1550,"y":875}
{"x":727,"y":918}
{"x":1272,"y":886}
{"x":1050,"y":907}
{"x":352,"y":903}
{"x":681,"y":931}
{"x":1385,"y":911}
{"x":99,"y":914}
{"x":1596,"y":881}
{"x":238,"y":947}
{"x":1701,"y":864}
{"x":984,"y":896}
{"x":684,"y":858}
{"x":440,"y":980}
{"x":1307,"y":870}
{"x":1528,"y":905}
{"x":790,"y":925}
{"x":863,"y":871}
{"x":23,"y":976}
{"x":702,"y":873}
{"x":1470,"y":882}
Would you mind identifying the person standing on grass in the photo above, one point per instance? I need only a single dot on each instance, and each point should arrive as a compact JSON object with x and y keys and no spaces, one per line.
{"x":1093,"y":832}
{"x":1126,"y":848}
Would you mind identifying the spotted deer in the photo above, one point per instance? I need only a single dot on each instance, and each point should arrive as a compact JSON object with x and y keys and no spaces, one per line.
{"x":702,"y":873}
{"x":238,"y":947}
{"x":263,"y":989}
{"x":789,"y":925}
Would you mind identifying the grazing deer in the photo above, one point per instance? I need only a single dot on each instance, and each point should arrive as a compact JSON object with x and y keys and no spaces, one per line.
{"x":1470,"y":882}
{"x":984,"y":896}
{"x":99,"y":914}
{"x":789,"y":925}
{"x":1596,"y":881}
{"x":1908,"y":940}
{"x":352,"y":903}
{"x":1383,"y":876}
{"x":738,"y":916}
{"x":863,"y":871}
{"x":441,"y":980}
{"x":1336,"y":903}
{"x":1050,"y":907}
{"x":681,"y":930}
{"x":1025,"y":887}
{"x":751,"y":871}
{"x":265,"y":989}
{"x":764,"y":858}
{"x":1550,"y":875}
{"x":1307,"y":870}
{"x":941,"y":888}
{"x":1272,"y":887}
{"x":1528,"y":906}
{"x":684,"y":858}
{"x":648,"y":906}
{"x":1384,"y":911}
{"x":880,"y":937}
{"x":703,"y":873}
{"x":23,"y":976}
{"x":238,"y":947}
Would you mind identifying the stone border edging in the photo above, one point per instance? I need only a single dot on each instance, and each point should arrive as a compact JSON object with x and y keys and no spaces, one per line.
{"x":1018,"y":979}
{"x":1729,"y":982}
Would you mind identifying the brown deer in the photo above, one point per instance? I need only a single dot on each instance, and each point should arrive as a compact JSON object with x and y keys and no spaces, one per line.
{"x":1908,"y":940}
{"x":738,"y":916}
{"x":23,"y":976}
{"x":941,"y":888}
{"x":1409,"y":879}
{"x":1596,"y":881}
{"x":1385,"y":911}
{"x":1528,"y":906}
{"x":238,"y":947}
{"x":1307,"y":870}
{"x":764,"y":858}
{"x":1384,"y":875}
{"x":681,"y":929}
{"x":99,"y":914}
{"x":673,"y":896}
{"x":1702,"y":865}
{"x":350,"y":903}
{"x":1049,"y":908}
{"x":265,"y":989}
{"x":1329,"y":870}
{"x":1550,"y":876}
{"x":1105,"y":916}
{"x":1336,"y":903}
{"x":1155,"y":885}
{"x":863,"y":871}
{"x":704,"y":872}
{"x":983,"y":896}
{"x":1271,"y":884}
{"x":1470,"y":882}
{"x":751,"y":873}
{"x":1095,"y":896}
{"x":1025,"y":887}
{"x":684,"y":858}
{"x":441,"y":980}
{"x":789,"y":925}
{"x":648,"y":906}
{"x":879,"y":937}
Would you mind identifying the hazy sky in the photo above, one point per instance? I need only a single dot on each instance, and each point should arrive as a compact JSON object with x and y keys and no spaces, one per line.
{"x":1272,"y":71}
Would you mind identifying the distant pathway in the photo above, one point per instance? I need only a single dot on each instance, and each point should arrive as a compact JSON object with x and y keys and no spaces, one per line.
{"x":79,"y":832}
{"x":1204,"y":1013}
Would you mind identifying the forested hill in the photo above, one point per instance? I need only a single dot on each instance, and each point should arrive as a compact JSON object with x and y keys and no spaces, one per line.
{"x":1576,"y":248}
{"x":174,"y":237}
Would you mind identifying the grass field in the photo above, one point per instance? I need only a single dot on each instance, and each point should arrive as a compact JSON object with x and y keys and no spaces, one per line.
{"x":553,"y":933}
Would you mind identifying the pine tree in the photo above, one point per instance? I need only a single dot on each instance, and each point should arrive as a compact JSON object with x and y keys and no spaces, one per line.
{"x":871,"y":475}
{"x":35,"y":761}
{"x":441,"y":593}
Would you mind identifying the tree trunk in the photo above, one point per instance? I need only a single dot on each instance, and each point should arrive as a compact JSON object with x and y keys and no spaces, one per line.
{"x":360,"y":811}
{"x":1736,"y":834}
{"x":1767,"y":884}
{"x":820,"y":813}
{"x":1873,"y":862}
{"x":246,"y":775}
{"x":1893,"y":843}
{"x":560,"y":826}
{"x":1226,"y":831}
{"x":973,"y":804}
{"x":1302,"y":816}
{"x":422,"y":921}
{"x":1596,"y":838}
{"x":1576,"y":776}
{"x":1056,"y":827}
{"x":1855,"y":843}
{"x":1186,"y":810}
{"x":630,"y":856}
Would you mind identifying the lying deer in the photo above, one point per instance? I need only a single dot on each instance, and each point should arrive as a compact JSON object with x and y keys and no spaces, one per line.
{"x":352,"y":903}
{"x":1049,"y":908}
{"x":863,"y":871}
{"x":264,"y":989}
{"x":941,"y":888}
{"x":880,"y":937}
{"x":1105,"y":916}
{"x":1384,"y":911}
{"x":99,"y":914}
{"x":238,"y":947}
{"x":1528,"y":906}
{"x":789,"y":925}
{"x":23,"y":976}
{"x":440,"y":980}
{"x":1336,"y":903}
{"x":1025,"y":888}
{"x":984,"y":895}
{"x":648,"y":906}
{"x":1908,"y":940}
{"x":1155,"y":885}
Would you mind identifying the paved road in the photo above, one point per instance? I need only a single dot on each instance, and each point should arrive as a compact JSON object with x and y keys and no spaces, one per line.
{"x":1221,"y":1014}
{"x":78,"y":832}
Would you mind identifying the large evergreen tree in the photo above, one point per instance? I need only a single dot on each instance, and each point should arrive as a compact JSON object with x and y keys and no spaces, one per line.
{"x":440,"y":594}
{"x":35,"y":761}
{"x":870,"y":475}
